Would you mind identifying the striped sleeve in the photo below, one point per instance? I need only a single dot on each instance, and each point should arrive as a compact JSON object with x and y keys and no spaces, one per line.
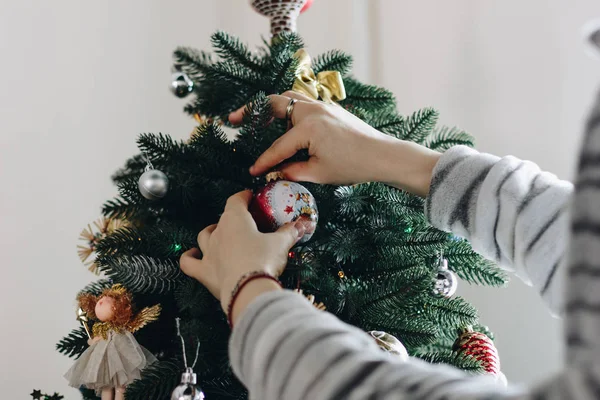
{"x":510,"y":211}
{"x":284,"y":348}
{"x":582,"y":323}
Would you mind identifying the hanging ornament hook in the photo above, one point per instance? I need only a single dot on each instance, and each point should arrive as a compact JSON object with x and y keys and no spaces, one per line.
{"x":185,"y":363}
{"x":149,"y":165}
{"x":187,"y":388}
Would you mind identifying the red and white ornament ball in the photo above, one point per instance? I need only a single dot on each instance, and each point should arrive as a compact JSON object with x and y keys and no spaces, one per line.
{"x":280,"y":202}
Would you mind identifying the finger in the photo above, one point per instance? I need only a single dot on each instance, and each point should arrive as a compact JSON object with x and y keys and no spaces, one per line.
{"x":239,"y":201}
{"x":289,"y":234}
{"x":283,"y":148}
{"x":237,"y":116}
{"x":191,"y":264}
{"x":297,"y":95}
{"x":279,"y":103}
{"x":302,"y":171}
{"x":204,"y":236}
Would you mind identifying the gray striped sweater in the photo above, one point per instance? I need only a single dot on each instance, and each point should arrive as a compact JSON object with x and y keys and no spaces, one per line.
{"x":283,"y":348}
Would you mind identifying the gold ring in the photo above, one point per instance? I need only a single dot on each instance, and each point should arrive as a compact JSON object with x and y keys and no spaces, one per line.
{"x":290,"y":109}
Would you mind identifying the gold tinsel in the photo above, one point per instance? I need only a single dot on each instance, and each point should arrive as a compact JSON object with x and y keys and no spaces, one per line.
{"x":311,"y":299}
{"x":92,"y":235}
{"x":274,"y":176}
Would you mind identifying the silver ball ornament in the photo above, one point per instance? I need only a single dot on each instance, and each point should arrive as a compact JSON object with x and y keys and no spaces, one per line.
{"x":187,"y":389}
{"x":390,"y":344}
{"x":446,"y":282}
{"x":153,"y":184}
{"x":181,"y":84}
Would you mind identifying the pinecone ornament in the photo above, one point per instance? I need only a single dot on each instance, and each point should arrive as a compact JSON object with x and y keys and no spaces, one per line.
{"x":481,"y":348}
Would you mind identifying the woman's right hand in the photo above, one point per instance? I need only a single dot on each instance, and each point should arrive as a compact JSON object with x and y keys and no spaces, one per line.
{"x":343,"y":149}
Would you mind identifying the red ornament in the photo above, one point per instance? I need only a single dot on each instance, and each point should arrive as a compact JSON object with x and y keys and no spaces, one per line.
{"x":280,"y":202}
{"x":481,"y":348}
{"x":306,"y":6}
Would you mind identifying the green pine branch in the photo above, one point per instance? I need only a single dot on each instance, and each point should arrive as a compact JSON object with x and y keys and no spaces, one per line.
{"x":484,"y":329}
{"x":193,"y":62}
{"x":412,"y":332}
{"x":444,"y":138}
{"x":231,"y":48}
{"x":455,"y":312}
{"x":365,"y":96}
{"x":194,"y":299}
{"x":143,"y":274}
{"x":88,"y":394}
{"x":224,"y":387}
{"x":419,"y":125}
{"x":119,"y":208}
{"x":391,"y":292}
{"x":74,"y":343}
{"x":334,"y":60}
{"x":134,"y":167}
{"x":473,"y":268}
{"x":286,"y":43}
{"x":97,"y":287}
{"x":159,"y":148}
{"x":157,"y":382}
{"x":283,"y":73}
{"x":160,"y":241}
{"x":386,"y":121}
{"x":255,"y":135}
{"x":230,"y":73}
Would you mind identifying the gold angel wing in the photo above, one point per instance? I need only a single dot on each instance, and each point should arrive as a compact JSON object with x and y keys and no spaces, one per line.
{"x":144,"y":317}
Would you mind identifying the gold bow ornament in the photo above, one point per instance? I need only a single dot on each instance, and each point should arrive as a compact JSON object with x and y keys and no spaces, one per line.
{"x":326,"y":85}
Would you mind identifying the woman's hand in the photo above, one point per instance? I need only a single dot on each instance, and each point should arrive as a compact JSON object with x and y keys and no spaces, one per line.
{"x":343,"y":149}
{"x":234,"y":247}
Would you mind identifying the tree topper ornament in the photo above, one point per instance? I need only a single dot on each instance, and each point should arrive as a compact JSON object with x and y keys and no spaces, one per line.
{"x":114,"y":358}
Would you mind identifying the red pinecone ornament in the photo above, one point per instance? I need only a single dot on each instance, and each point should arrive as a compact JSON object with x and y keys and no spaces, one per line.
{"x":481,"y":348}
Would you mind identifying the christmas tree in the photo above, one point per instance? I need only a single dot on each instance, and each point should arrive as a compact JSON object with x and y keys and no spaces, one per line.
{"x":373,"y":261}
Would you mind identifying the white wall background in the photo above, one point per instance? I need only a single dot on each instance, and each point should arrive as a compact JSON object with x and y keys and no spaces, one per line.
{"x":81,"y":79}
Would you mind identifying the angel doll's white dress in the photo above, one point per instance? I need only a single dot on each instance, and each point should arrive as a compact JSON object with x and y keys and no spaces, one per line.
{"x":115,"y":361}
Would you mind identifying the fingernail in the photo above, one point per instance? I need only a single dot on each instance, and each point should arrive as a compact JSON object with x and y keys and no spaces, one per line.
{"x":252,"y":169}
{"x":301,"y":228}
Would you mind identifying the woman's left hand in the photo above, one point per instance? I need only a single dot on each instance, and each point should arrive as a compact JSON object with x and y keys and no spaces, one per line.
{"x":234,"y":247}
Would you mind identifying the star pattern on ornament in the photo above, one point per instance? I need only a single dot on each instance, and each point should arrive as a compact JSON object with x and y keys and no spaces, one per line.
{"x":289,"y":210}
{"x":36,"y":394}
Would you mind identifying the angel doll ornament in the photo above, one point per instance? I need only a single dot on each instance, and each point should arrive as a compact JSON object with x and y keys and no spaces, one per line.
{"x":114,"y":358}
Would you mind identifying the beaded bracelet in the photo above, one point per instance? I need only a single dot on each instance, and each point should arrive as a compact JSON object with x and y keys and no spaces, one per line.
{"x":243,"y":281}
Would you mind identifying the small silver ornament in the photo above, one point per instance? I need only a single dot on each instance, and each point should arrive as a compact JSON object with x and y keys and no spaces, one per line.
{"x":153,"y":184}
{"x":446,"y":282}
{"x":390,"y":344}
{"x":187,"y":389}
{"x":181,"y":84}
